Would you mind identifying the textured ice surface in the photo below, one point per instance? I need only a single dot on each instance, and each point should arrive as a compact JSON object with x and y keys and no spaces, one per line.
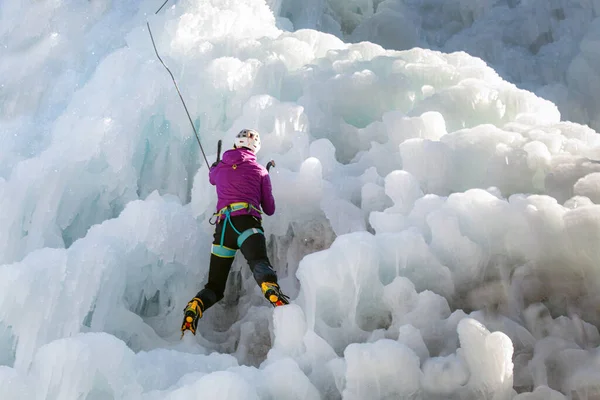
{"x":436,"y":227}
{"x":550,"y":47}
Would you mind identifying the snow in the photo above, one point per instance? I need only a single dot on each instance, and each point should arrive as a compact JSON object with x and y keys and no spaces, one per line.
{"x":437,"y":215}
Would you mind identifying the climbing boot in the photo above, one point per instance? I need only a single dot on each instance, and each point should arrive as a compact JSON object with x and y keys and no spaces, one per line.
{"x":272,"y":292}
{"x":192,"y":313}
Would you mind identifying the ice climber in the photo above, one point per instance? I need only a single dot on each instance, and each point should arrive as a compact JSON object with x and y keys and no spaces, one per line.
{"x":243,"y":187}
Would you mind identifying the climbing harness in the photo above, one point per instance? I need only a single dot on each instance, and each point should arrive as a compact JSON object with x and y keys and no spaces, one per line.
{"x":231,"y":208}
{"x":223,"y":251}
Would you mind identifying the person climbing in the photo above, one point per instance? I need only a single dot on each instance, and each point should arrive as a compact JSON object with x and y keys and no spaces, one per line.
{"x":243,"y":187}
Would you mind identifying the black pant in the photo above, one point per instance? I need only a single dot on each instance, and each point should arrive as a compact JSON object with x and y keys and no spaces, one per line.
{"x":254,"y":250}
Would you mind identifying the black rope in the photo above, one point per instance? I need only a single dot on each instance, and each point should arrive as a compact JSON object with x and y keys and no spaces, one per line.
{"x":178,"y":92}
{"x":166,"y":1}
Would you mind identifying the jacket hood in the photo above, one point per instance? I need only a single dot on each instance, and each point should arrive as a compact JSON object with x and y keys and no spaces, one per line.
{"x":238,"y":156}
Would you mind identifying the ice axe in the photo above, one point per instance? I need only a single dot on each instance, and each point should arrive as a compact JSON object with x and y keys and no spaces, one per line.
{"x":270,"y":164}
{"x":219,"y":143}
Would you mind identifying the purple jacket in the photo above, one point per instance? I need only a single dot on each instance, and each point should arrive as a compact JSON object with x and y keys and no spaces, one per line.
{"x":239,"y":178}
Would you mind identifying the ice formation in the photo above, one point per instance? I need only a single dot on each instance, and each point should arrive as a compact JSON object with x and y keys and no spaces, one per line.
{"x":437,"y":226}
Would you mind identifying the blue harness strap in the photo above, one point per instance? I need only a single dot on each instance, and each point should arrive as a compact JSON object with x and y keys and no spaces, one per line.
{"x":246,"y":234}
{"x":223,"y":251}
{"x":218,"y":249}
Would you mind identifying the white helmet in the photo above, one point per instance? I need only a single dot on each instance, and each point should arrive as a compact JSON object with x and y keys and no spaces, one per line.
{"x":248,"y":138}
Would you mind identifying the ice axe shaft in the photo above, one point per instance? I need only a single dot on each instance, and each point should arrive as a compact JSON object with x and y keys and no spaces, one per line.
{"x":219,"y":143}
